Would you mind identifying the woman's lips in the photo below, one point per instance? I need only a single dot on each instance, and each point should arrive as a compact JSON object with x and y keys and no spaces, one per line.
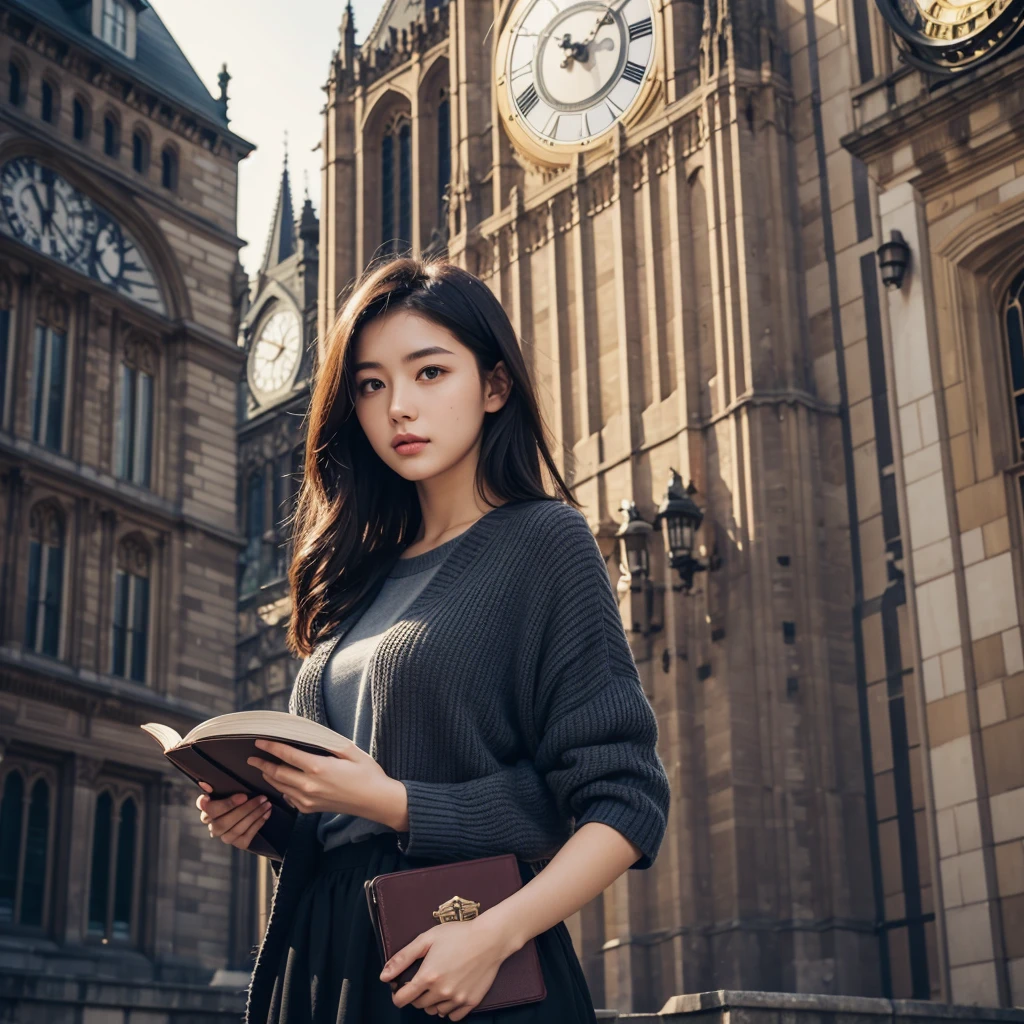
{"x":411,"y":447}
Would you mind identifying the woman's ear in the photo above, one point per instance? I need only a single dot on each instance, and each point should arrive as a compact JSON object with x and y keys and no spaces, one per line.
{"x":499,"y":386}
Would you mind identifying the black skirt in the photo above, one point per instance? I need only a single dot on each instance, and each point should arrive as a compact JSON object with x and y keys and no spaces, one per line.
{"x":330,"y":970}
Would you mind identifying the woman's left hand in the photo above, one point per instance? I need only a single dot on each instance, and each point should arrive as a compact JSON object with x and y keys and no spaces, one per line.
{"x":351,"y":782}
{"x":461,"y":959}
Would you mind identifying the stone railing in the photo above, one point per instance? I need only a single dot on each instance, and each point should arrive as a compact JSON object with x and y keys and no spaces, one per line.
{"x":737,"y":1007}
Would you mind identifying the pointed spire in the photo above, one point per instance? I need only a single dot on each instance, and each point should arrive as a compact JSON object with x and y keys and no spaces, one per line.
{"x":309,"y":225}
{"x":347,"y":31}
{"x":281,"y":243}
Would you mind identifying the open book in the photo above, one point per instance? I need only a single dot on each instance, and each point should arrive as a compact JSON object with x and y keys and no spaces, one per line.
{"x":216,"y":752}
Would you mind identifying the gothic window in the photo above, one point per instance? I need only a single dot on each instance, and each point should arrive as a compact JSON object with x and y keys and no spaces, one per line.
{"x":6,"y":319}
{"x":396,"y":185}
{"x":254,"y":507}
{"x":80,"y":119}
{"x":45,"y":579}
{"x":111,"y":136}
{"x":48,"y":364}
{"x":1015,"y":353}
{"x":47,"y":105}
{"x":134,"y":428}
{"x":15,"y":83}
{"x":114,"y":27}
{"x":444,"y":157}
{"x":130,"y":627}
{"x":140,"y":152}
{"x":26,"y":799}
{"x":169,"y":169}
{"x":114,"y":871}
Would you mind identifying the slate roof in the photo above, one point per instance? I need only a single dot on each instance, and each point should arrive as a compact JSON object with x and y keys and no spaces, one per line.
{"x":159,"y":62}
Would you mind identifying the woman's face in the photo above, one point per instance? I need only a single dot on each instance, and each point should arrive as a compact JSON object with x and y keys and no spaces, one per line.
{"x":415,"y":377}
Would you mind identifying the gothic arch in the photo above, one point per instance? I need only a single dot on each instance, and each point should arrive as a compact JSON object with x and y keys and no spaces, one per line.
{"x":386,"y":159}
{"x":146,"y":234}
{"x":434,"y":163}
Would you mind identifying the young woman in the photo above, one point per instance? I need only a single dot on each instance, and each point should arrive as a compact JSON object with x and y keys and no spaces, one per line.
{"x":459,"y":626}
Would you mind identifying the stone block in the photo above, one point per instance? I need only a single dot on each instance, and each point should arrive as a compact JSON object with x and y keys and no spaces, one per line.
{"x":991,"y":597}
{"x":1010,"y":867}
{"x":953,"y":773}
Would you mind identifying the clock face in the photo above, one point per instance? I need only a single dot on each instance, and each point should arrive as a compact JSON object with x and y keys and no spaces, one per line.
{"x":947,"y":36}
{"x":43,"y":210}
{"x":569,"y":70}
{"x":276,"y":353}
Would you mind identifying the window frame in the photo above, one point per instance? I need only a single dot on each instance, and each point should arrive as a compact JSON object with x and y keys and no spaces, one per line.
{"x":120,"y":792}
{"x":49,"y":89}
{"x":169,"y":168}
{"x":140,"y":151}
{"x":133,"y":574}
{"x":17,"y":77}
{"x":37,"y":603}
{"x":44,"y":336}
{"x":80,"y":103}
{"x":32,"y":772}
{"x":111,"y":135}
{"x":114,"y":24}
{"x":136,"y":388}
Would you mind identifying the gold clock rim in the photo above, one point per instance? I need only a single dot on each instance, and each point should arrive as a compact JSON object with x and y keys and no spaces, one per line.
{"x":560,"y":154}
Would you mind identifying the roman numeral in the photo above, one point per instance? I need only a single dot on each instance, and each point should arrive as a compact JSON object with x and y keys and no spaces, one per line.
{"x":640,"y":28}
{"x":527,"y":100}
{"x":633,"y":72}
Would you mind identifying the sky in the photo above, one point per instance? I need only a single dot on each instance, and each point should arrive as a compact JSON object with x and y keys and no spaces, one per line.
{"x":278,"y":62}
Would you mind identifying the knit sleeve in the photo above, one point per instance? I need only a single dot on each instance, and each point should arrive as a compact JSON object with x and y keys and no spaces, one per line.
{"x":509,"y":810}
{"x":598,"y":747}
{"x":595,"y":758}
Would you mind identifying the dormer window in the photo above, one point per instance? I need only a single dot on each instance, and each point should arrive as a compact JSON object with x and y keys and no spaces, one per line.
{"x":115,"y":24}
{"x":114,"y":21}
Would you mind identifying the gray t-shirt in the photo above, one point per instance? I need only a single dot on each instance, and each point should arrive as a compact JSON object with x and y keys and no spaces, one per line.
{"x":347,"y":699}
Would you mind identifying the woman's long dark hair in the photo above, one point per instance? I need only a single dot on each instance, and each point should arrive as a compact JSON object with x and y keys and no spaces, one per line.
{"x":354,"y":511}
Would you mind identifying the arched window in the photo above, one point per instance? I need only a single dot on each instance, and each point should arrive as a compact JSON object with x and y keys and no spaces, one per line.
{"x":24,"y":851}
{"x":48,"y":364}
{"x":396,"y":185}
{"x":1015,"y":353}
{"x":115,"y":845}
{"x":80,"y":118}
{"x":140,"y":152}
{"x":45,"y":579}
{"x":15,"y":84}
{"x":169,"y":169}
{"x":444,"y":157}
{"x":111,"y":136}
{"x":46,"y":105}
{"x":134,"y":428}
{"x":130,"y":629}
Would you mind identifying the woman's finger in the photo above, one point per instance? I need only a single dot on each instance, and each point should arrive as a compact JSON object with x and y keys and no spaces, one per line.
{"x":300,"y":759}
{"x":220,"y":825}
{"x":259,"y":814}
{"x":279,"y":775}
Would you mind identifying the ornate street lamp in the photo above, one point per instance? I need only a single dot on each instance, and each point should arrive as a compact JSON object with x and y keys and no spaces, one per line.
{"x":893,"y":260}
{"x":635,"y":564}
{"x":680,"y":519}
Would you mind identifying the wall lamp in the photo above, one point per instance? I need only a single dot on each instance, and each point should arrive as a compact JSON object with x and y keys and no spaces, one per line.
{"x":893,"y":260}
{"x":679,"y":518}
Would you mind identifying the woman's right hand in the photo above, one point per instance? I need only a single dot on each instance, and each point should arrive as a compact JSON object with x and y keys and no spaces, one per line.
{"x":235,"y":819}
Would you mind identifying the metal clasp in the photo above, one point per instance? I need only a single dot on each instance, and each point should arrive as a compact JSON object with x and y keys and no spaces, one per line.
{"x":458,"y":908}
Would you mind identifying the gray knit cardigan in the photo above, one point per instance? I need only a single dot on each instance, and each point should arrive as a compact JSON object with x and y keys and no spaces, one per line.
{"x":506,"y":700}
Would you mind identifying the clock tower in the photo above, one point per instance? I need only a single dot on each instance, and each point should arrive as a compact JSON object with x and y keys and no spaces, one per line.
{"x":276,"y":334}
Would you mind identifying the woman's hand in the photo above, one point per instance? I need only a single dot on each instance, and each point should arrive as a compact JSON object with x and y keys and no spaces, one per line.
{"x":234,"y":820}
{"x":351,"y":782}
{"x":461,"y":959}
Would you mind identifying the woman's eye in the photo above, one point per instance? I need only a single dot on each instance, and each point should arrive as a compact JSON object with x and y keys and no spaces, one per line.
{"x":361,"y":386}
{"x":427,"y":369}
